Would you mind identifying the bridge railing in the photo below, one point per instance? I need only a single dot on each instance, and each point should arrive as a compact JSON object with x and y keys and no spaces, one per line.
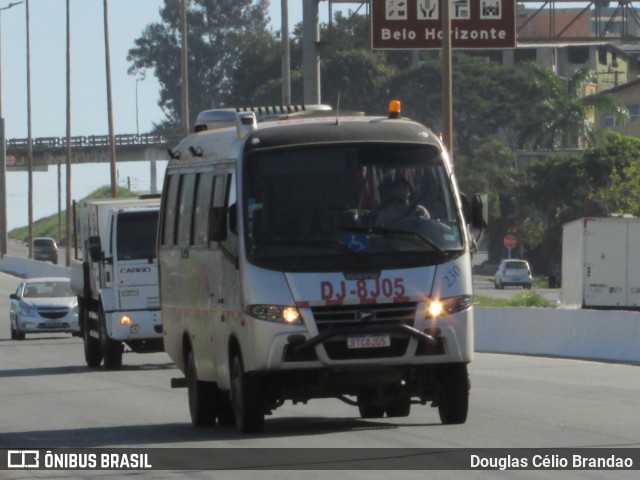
{"x":91,"y":141}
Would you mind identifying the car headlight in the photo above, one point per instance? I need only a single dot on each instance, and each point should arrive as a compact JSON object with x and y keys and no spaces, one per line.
{"x":438,"y":307}
{"x":275,"y":313}
{"x":26,"y":310}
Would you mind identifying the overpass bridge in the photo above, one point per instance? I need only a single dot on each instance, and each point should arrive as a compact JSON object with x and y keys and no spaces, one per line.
{"x":87,"y":149}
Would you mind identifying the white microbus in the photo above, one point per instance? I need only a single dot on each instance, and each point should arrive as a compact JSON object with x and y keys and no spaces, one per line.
{"x":313,"y":255}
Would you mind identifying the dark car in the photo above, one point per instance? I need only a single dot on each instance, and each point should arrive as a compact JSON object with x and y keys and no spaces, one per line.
{"x":46,"y":249}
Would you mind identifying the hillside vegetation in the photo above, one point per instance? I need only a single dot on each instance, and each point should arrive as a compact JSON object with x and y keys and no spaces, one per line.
{"x":48,"y":226}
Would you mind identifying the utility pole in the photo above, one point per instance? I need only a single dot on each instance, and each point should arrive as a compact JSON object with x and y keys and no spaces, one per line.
{"x":447,"y":90}
{"x":184,"y":64}
{"x":112,"y":139}
{"x":3,"y":157}
{"x":29,"y":138}
{"x":310,"y":53}
{"x":68,"y":176}
{"x":286,"y":54}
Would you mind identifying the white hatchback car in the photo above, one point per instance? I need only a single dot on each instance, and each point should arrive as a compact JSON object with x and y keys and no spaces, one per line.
{"x":43,"y":305}
{"x":512,"y":272}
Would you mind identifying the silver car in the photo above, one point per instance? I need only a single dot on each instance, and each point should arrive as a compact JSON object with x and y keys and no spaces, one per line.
{"x":43,"y":305}
{"x":516,"y":273}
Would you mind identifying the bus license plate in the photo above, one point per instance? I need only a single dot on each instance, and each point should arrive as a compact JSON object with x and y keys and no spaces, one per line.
{"x":369,"y":341}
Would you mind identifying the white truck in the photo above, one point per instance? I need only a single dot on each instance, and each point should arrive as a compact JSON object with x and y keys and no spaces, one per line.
{"x":116,"y":278}
{"x":600,"y":265}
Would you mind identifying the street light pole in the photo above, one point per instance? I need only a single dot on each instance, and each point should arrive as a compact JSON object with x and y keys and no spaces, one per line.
{"x":3,"y":156}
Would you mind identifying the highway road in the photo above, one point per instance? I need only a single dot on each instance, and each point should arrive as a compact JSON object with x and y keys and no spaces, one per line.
{"x":50,"y":399}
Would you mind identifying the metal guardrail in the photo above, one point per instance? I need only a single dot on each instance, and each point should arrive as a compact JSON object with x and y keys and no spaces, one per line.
{"x":91,"y":141}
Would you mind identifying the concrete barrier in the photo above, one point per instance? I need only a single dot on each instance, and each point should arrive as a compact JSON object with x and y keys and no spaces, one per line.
{"x":26,"y":268}
{"x":586,"y":334}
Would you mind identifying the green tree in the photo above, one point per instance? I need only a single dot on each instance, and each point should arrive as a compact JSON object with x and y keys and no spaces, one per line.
{"x":561,"y":113}
{"x":563,"y":188}
{"x":217,"y":34}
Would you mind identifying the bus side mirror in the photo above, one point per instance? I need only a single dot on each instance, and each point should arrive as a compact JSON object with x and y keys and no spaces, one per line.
{"x":479,"y":217}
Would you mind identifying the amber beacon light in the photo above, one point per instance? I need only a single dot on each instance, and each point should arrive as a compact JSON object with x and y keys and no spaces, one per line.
{"x":394,"y":109}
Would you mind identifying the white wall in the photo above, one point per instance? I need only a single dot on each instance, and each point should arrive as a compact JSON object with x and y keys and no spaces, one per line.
{"x":589,"y":334}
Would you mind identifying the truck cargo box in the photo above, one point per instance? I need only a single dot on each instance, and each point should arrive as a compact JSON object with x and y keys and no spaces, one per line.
{"x":600,"y":263}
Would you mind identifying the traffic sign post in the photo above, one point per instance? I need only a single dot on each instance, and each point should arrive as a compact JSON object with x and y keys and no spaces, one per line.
{"x":510,"y":242}
{"x":417,"y":24}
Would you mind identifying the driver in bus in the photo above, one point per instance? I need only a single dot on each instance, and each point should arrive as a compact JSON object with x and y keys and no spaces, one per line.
{"x":401,"y":205}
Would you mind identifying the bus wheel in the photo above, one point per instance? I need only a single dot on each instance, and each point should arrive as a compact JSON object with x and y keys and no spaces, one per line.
{"x":246,"y":399}
{"x":453,"y":393}
{"x":92,"y":351}
{"x":202,"y":397}
{"x":225,"y":413}
{"x":367,"y":409}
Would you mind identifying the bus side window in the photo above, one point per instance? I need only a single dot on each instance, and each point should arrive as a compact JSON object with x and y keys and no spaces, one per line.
{"x":170,"y":211}
{"x":204,"y":187}
{"x":185,"y":209}
{"x":217,"y":215}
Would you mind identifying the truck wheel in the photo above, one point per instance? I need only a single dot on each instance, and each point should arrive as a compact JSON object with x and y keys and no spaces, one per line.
{"x":367,"y":409}
{"x":246,"y":399}
{"x":111,"y":349}
{"x":202,"y":397}
{"x":453,"y":393}
{"x":92,"y":352}
{"x":399,"y":408}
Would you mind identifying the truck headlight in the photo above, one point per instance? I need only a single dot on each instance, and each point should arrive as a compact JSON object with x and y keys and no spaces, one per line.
{"x":275,"y":313}
{"x":438,"y":307}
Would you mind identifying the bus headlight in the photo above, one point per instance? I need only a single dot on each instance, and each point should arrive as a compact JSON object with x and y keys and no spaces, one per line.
{"x":438,"y":307}
{"x":275,"y":313}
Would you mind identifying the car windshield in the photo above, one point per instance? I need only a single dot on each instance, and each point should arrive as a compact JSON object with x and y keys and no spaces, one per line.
{"x":381,"y":205}
{"x":49,"y":289}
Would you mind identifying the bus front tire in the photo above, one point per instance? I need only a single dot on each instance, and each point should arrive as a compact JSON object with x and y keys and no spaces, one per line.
{"x":453,"y":393}
{"x":246,"y":399}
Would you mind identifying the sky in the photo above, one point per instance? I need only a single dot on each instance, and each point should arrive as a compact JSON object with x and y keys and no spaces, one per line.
{"x":47,"y":25}
{"x":127,"y":19}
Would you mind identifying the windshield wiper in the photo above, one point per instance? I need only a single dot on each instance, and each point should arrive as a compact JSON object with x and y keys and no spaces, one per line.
{"x":312,"y":241}
{"x":392,"y":232}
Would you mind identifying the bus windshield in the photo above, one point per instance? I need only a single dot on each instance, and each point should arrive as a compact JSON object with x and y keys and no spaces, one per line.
{"x":383,"y":205}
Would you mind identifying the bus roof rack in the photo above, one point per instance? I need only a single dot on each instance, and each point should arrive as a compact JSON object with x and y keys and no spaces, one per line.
{"x":227,"y":117}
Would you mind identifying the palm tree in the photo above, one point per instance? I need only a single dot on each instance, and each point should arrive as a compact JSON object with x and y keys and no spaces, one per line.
{"x":562,"y":113}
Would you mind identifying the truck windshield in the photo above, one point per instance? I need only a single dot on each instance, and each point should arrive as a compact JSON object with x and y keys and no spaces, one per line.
{"x":380,"y":205}
{"x":136,"y":235}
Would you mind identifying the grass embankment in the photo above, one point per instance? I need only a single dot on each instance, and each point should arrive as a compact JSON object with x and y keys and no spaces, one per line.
{"x":523,"y":299}
{"x":48,"y":226}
